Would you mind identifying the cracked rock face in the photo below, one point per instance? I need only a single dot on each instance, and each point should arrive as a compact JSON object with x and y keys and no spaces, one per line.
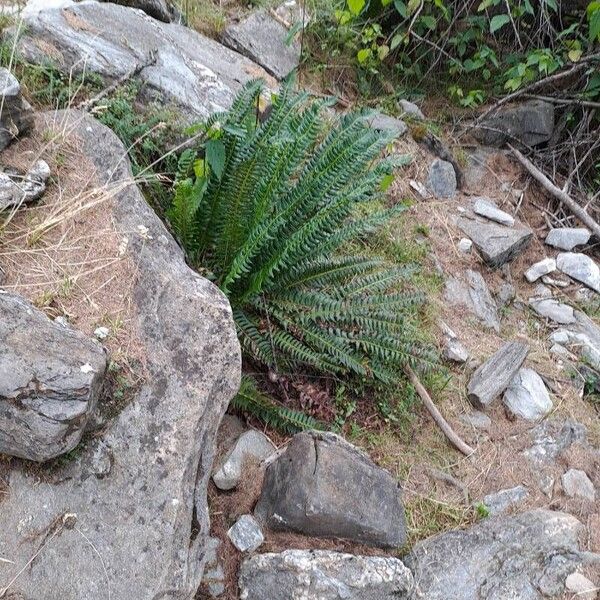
{"x":50,"y":380}
{"x":136,"y":494}
{"x":324,"y":486}
{"x":324,"y":575}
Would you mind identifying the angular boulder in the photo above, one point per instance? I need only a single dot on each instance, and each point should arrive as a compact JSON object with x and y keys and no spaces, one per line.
{"x":581,"y":268}
{"x":127,"y":517}
{"x":16,"y":116}
{"x":530,"y":123}
{"x":323,"y":486}
{"x":50,"y":380}
{"x":527,"y":556}
{"x":183,"y":69}
{"x":263,"y":40}
{"x":324,"y":575}
{"x":526,"y":396}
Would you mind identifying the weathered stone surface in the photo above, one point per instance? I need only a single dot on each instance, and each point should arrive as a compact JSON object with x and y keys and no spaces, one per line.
{"x":581,"y":587}
{"x":442,"y":179}
{"x":567,"y":238}
{"x":383,"y":122}
{"x":250,"y":445}
{"x":465,"y":245}
{"x":411,"y":110}
{"x":263,"y":39}
{"x":213,"y":579}
{"x":552,"y":281}
{"x":484,"y":207}
{"x":526,"y":396}
{"x":539,"y":269}
{"x":16,"y":117}
{"x":531,"y":123}
{"x":246,"y":534}
{"x":476,"y":419}
{"x":194,"y":74}
{"x":525,"y":557}
{"x":580,"y":267}
{"x":324,"y":486}
{"x":576,"y":483}
{"x":496,"y":243}
{"x":17,"y":189}
{"x":553,"y":309}
{"x":50,"y":381}
{"x":501,"y":501}
{"x":137,"y":495}
{"x":324,"y":575}
{"x":473,"y":294}
{"x":551,"y":437}
{"x":158,"y":9}
{"x":496,"y":373}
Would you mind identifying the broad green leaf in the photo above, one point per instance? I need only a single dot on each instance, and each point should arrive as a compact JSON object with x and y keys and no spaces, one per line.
{"x":199,"y":167}
{"x":575,"y":55}
{"x":552,"y":4}
{"x":529,"y":8}
{"x":356,"y":6}
{"x":363,"y":55}
{"x":383,"y":51}
{"x":429,"y":22}
{"x":215,"y":156}
{"x":401,"y":8}
{"x":594,"y":21}
{"x":396,"y":41}
{"x":412,"y":6}
{"x":498,"y":21}
{"x":386,"y":182}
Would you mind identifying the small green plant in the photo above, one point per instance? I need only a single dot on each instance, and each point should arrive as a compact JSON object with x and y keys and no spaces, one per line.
{"x":267,"y":212}
{"x":482,"y":510}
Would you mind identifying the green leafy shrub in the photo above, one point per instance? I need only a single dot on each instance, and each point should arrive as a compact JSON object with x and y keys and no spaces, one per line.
{"x":267,"y":212}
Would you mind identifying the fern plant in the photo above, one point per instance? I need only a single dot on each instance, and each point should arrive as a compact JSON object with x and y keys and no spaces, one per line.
{"x":269,"y":209}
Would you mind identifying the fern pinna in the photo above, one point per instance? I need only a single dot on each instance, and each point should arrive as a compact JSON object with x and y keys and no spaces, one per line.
{"x":269,"y":210}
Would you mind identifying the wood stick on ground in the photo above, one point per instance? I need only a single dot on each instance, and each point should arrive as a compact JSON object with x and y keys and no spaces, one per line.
{"x":436,"y":415}
{"x":559,"y":194}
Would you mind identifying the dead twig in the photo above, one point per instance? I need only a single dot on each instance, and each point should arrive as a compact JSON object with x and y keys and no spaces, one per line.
{"x":559,"y":194}
{"x":436,"y":415}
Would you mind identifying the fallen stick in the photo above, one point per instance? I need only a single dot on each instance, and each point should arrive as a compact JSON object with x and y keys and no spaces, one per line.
{"x":561,"y":195}
{"x":437,"y":415}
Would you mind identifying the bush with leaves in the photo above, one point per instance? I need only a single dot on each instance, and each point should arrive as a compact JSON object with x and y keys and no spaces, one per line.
{"x":267,"y":213}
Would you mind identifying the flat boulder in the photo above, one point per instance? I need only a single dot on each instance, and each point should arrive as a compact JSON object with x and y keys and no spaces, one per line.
{"x":324,"y":575}
{"x":178,"y":67}
{"x":264,"y":40}
{"x":50,"y":380}
{"x":126,"y":517}
{"x":323,"y":486}
{"x":527,"y":556}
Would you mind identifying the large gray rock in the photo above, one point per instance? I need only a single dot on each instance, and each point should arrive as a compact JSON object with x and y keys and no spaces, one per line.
{"x":496,"y":373}
{"x":567,"y":238}
{"x":580,"y":267}
{"x":553,"y":309}
{"x":323,"y":486}
{"x":127,"y":517}
{"x":50,"y":381}
{"x":496,"y":243}
{"x":192,"y":73}
{"x":263,"y":39}
{"x":324,"y":575}
{"x":524,"y":557}
{"x":382,"y":122}
{"x":531,"y":123}
{"x":526,"y":396}
{"x":441,"y":179}
{"x":16,"y":115}
{"x":159,"y":9}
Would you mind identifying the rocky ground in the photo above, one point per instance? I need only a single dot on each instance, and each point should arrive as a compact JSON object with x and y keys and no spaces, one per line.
{"x":164,"y":498}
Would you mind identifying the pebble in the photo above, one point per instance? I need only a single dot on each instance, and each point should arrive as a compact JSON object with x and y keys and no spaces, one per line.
{"x":246,"y":535}
{"x":576,"y":483}
{"x":465,"y":245}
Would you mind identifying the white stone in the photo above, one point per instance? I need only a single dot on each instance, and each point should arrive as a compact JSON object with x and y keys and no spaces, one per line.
{"x":567,"y":238}
{"x":411,"y":109}
{"x":101,"y":332}
{"x":560,"y":336}
{"x":486,"y":208}
{"x":251,"y":444}
{"x":246,"y":535}
{"x":581,"y":586}
{"x":554,"y":282}
{"x":465,"y":245}
{"x":576,"y":483}
{"x":527,"y":397}
{"x":543,"y":267}
{"x":553,"y":310}
{"x":580,"y":267}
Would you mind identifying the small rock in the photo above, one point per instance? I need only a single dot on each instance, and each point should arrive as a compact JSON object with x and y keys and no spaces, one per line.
{"x":567,"y":238}
{"x":559,"y":283}
{"x":500,"y":501}
{"x":251,"y":444}
{"x":246,"y":535}
{"x":411,"y":109}
{"x":385,"y":123}
{"x":580,"y":267}
{"x":442,"y":179}
{"x":496,"y":373}
{"x":527,"y":397}
{"x":496,"y":243}
{"x":560,"y":336}
{"x":543,"y":267}
{"x":576,"y":483}
{"x":465,"y":245}
{"x":488,"y":209}
{"x":476,"y":419}
{"x":324,"y":575}
{"x":455,"y":351}
{"x":562,"y":352}
{"x":553,"y":309}
{"x":506,"y":294}
{"x":581,"y":586}
{"x":102,"y":332}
